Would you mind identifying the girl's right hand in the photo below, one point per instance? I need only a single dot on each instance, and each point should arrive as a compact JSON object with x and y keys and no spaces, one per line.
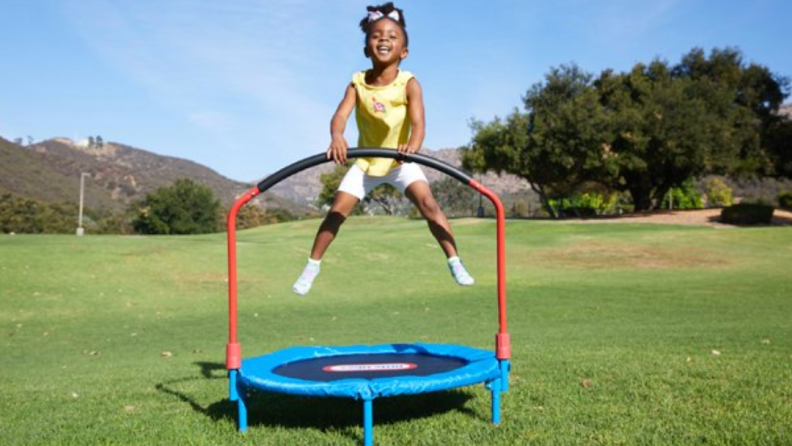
{"x":338,"y":149}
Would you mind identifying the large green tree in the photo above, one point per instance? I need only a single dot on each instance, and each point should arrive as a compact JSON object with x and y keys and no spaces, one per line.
{"x":664,"y":131}
{"x":643,"y":131}
{"x":183,"y":208}
{"x":562,"y":142}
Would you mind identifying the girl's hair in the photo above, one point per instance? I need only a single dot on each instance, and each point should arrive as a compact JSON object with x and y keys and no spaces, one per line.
{"x":384,"y":11}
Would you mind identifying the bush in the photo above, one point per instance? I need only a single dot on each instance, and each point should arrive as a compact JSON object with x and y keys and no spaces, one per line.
{"x":718,"y":193}
{"x":26,"y":216}
{"x":685,"y":197}
{"x":785,"y":200}
{"x":183,"y":208}
{"x":747,"y":214}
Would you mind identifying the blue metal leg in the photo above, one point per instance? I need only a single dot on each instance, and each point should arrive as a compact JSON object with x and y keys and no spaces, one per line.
{"x":368,"y":423}
{"x":505,"y":367}
{"x":237,"y":394}
{"x":233,"y":395}
{"x":242,"y":414}
{"x":495,"y":387}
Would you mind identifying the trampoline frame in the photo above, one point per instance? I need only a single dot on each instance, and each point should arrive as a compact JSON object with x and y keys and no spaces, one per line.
{"x":238,"y":385}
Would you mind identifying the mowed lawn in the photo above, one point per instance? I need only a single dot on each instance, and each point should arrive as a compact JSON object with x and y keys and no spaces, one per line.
{"x":622,"y":334}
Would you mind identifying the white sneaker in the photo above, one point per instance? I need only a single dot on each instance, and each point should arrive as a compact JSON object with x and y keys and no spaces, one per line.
{"x":309,"y":273}
{"x":459,"y":272}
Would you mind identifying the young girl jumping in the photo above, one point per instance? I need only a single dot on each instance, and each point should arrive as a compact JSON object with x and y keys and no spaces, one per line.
{"x":389,"y":110}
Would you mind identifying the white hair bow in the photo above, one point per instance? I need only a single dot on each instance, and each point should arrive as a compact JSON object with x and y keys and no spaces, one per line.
{"x":373,"y":16}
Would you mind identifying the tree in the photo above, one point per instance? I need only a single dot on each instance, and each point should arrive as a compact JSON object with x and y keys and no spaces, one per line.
{"x":644,"y":131}
{"x":665,"y":131}
{"x":756,"y":96}
{"x":779,"y":147}
{"x":562,"y":142}
{"x":183,"y":208}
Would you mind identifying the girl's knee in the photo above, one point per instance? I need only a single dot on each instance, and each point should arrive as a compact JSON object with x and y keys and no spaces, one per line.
{"x":335,"y":217}
{"x":429,"y":208}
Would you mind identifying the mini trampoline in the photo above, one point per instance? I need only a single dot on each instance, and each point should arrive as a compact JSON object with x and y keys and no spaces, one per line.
{"x":366,"y":372}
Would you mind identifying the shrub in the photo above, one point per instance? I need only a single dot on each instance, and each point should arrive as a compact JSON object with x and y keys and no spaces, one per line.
{"x":684,"y":197}
{"x":785,"y":200}
{"x":718,"y":192}
{"x":747,"y":214}
{"x":183,"y":208}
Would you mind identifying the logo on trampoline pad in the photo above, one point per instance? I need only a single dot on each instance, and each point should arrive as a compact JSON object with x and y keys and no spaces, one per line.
{"x":381,"y":367}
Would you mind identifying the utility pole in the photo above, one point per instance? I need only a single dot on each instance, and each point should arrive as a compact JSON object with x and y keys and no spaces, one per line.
{"x":80,"y":229}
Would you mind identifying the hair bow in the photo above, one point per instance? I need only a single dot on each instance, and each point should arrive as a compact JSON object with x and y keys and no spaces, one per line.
{"x":373,"y":16}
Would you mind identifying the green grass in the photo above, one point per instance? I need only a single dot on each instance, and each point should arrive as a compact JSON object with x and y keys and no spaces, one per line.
{"x":120,"y":340}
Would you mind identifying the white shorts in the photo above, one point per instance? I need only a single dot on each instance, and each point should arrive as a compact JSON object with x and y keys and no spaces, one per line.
{"x":357,"y":183}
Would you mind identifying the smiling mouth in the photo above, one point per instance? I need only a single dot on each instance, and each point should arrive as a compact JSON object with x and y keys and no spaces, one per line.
{"x":383,"y":50}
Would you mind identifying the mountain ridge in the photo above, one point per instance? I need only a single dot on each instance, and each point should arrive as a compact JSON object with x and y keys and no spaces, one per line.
{"x":118,"y":175}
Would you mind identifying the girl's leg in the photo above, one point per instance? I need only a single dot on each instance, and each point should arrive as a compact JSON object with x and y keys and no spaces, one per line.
{"x":419,"y":193}
{"x":421,"y":196}
{"x":343,"y":203}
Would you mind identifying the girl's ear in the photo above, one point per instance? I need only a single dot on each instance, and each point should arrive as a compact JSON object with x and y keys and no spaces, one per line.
{"x":366,"y":52}
{"x":404,"y":53}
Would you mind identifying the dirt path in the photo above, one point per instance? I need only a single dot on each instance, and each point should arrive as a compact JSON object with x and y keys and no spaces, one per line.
{"x":703,"y":217}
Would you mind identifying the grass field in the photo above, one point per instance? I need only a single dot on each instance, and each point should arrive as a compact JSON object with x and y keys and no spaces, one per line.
{"x":622,"y":334}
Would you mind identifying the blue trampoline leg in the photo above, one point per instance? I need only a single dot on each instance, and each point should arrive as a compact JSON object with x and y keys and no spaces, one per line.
{"x":505,"y":367}
{"x":495,"y":387}
{"x":235,"y":395}
{"x":368,"y":422}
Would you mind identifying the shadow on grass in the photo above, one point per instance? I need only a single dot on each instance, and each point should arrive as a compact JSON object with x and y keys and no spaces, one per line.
{"x":325,"y":414}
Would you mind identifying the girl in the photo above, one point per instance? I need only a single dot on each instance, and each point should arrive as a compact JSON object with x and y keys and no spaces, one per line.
{"x":389,"y":110}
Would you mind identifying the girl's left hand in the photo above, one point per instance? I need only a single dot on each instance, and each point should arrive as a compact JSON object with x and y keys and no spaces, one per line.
{"x":406,"y":148}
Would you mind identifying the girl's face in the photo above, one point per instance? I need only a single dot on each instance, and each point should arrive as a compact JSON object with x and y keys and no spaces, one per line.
{"x":385,"y":43}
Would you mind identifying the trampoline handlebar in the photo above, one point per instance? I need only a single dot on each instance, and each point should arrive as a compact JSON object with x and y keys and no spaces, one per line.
{"x":502,"y":339}
{"x":233,"y":348}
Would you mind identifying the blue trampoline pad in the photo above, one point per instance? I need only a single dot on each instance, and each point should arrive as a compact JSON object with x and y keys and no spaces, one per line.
{"x":369,"y":371}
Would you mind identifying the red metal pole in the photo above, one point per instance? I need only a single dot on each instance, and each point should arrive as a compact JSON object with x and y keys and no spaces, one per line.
{"x":502,"y":339}
{"x":233,"y":349}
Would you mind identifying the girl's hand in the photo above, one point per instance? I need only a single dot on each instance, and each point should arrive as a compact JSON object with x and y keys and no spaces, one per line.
{"x":338,"y":149}
{"x":408,"y":149}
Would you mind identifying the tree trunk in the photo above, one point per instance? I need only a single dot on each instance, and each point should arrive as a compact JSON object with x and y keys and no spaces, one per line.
{"x":642,"y":199}
{"x":543,"y":198}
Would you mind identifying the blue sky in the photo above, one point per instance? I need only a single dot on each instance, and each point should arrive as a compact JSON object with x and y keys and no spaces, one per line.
{"x":246,"y":87}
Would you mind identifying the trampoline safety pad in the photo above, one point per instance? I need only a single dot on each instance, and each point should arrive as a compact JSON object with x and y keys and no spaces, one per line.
{"x":369,"y":371}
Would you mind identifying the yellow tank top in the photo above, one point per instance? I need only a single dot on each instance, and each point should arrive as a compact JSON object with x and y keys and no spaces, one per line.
{"x":382,"y":119}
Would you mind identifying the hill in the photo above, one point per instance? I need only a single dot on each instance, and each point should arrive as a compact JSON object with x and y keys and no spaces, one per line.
{"x":118,"y":175}
{"x":305,"y":186}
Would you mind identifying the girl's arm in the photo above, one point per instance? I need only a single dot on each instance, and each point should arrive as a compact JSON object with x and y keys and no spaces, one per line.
{"x":338,"y":145}
{"x":415,"y":107}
